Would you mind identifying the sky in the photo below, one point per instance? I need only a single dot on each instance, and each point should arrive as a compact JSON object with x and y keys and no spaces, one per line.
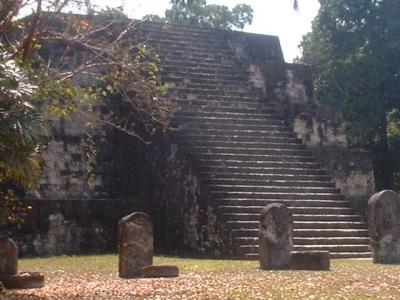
{"x":274,"y":17}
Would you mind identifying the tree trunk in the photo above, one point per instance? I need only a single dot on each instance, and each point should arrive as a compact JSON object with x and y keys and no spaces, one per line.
{"x":383,"y":162}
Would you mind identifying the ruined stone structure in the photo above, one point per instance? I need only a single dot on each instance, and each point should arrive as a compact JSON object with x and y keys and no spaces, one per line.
{"x":249,"y":133}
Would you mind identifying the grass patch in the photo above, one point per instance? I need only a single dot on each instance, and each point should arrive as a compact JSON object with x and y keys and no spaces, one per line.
{"x":95,"y":277}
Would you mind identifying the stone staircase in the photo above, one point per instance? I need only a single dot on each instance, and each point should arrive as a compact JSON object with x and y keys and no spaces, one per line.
{"x":247,"y":155}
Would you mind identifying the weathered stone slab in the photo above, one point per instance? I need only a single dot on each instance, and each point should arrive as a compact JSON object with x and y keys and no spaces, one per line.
{"x":384,"y":225}
{"x":160,"y":271}
{"x":28,"y":280}
{"x":310,"y":260}
{"x":135,"y":244}
{"x":8,"y":256}
{"x":275,"y":237}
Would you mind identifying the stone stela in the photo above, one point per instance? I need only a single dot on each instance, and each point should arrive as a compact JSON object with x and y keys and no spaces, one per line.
{"x":275,"y":237}
{"x":384,"y":223}
{"x":9,"y":275}
{"x":8,"y":256}
{"x":135,"y":244}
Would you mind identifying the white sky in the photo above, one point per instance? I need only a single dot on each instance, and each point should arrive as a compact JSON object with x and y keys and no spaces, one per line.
{"x":275,"y":17}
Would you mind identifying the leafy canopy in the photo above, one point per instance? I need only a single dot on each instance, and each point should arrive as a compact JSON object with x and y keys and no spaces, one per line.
{"x":199,"y":12}
{"x":93,"y":58}
{"x":354,"y":49}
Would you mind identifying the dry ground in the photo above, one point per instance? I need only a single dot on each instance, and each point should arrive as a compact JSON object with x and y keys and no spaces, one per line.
{"x":95,"y":277}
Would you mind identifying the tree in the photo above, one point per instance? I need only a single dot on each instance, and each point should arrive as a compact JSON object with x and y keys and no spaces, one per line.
{"x":33,"y":76}
{"x":22,"y":129}
{"x":199,"y":12}
{"x":354,"y":49}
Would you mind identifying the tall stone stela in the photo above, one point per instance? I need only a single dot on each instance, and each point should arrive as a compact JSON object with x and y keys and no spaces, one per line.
{"x":275,"y":237}
{"x":384,"y":225}
{"x":135,"y":244}
{"x":8,"y":256}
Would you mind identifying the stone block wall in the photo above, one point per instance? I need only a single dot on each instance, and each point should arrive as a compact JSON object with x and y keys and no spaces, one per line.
{"x":185,"y":213}
{"x":55,"y":227}
{"x":166,"y":178}
{"x":289,"y":87}
{"x":322,"y":129}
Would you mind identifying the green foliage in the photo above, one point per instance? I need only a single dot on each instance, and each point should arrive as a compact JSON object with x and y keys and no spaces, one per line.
{"x":12,"y":210}
{"x":22,"y":129}
{"x":21,"y":126}
{"x":212,"y":15}
{"x":111,"y":13}
{"x":354,"y":49}
{"x":92,"y":59}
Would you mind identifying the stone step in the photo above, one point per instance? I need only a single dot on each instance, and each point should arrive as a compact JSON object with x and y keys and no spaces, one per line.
{"x":327,"y":217}
{"x":217,"y":137}
{"x":240,"y":123}
{"x":264,"y":164}
{"x":239,"y":126}
{"x":180,"y":31}
{"x":180,"y":91}
{"x":242,"y":232}
{"x":192,"y":50}
{"x":186,"y":109}
{"x":179,"y":37}
{"x":284,"y":147}
{"x":260,"y":202}
{"x":196,"y":67}
{"x":295,"y":210}
{"x":250,"y":157}
{"x":332,"y":255}
{"x":330,"y":240}
{"x":177,"y":56}
{"x":258,"y":182}
{"x":264,"y":177}
{"x":296,"y":217}
{"x":253,"y":150}
{"x":331,"y":248}
{"x":210,"y":113}
{"x":343,"y":255}
{"x":186,"y":43}
{"x":215,"y":98}
{"x":203,"y":119}
{"x":301,"y":225}
{"x":265,"y":189}
{"x":239,"y":86}
{"x":189,"y":80}
{"x":275,"y":195}
{"x":202,"y":113}
{"x":247,"y":106}
{"x":191,"y":75}
{"x":215,"y":101}
{"x":217,"y":169}
{"x":238,"y":132}
{"x":310,"y":241}
{"x":329,"y":225}
{"x":185,"y":50}
{"x":331,"y":232}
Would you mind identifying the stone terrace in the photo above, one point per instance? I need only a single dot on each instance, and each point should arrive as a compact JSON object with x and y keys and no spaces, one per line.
{"x":245,"y":151}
